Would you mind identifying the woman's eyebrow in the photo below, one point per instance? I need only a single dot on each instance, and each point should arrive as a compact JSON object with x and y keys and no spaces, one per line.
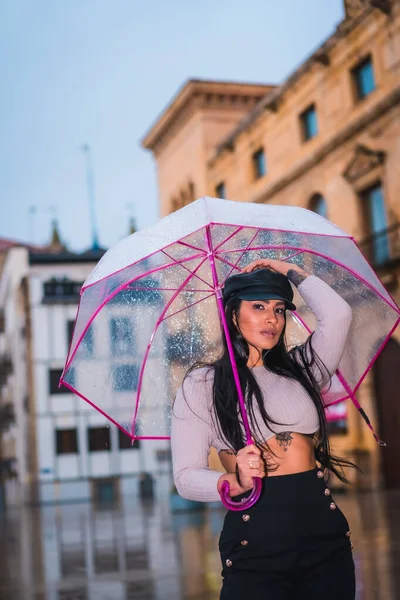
{"x":278,"y":302}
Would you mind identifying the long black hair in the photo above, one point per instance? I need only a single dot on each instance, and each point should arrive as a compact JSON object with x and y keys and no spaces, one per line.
{"x":300,"y":363}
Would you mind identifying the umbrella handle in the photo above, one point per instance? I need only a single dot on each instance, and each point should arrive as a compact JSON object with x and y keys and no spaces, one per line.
{"x":241,"y":504}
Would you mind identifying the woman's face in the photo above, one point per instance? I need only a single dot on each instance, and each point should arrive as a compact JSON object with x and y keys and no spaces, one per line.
{"x":261,"y":322}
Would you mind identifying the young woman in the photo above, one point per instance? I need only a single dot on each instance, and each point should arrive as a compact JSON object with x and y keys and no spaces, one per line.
{"x":294,"y":543}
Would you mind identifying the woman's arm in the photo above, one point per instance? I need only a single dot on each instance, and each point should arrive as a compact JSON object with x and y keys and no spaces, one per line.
{"x":333,"y":314}
{"x":191,"y":440}
{"x":228,"y":460}
{"x":191,"y":435}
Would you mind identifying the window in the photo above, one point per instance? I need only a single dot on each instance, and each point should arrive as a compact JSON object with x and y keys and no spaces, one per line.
{"x":337,"y":419}
{"x":121,"y":336}
{"x":125,"y":378}
{"x":61,"y":290}
{"x":338,"y":427}
{"x":220,"y":191}
{"x":259,"y":164}
{"x":319,"y":206}
{"x":363,"y":77}
{"x":66,"y":441}
{"x":86,"y":344}
{"x":376,"y":223}
{"x":70,"y":331}
{"x":125,"y":442}
{"x":309,"y":123}
{"x":99,"y":439}
{"x":54,"y":379}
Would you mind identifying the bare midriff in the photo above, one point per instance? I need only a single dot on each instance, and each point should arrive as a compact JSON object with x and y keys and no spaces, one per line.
{"x":285,"y":454}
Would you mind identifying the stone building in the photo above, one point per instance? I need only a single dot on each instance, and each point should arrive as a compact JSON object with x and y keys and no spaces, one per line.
{"x":327,"y":139}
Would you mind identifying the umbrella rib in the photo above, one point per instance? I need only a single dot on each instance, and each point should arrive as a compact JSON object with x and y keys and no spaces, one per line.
{"x":158,"y":323}
{"x":234,"y":266}
{"x":332,"y":260}
{"x":228,"y":238}
{"x":189,"y":306}
{"x":350,"y":393}
{"x":138,"y":261}
{"x":157,"y":289}
{"x":70,"y":344}
{"x":245,"y":250}
{"x":181,"y":243}
{"x":224,"y":323}
{"x":291,"y":231}
{"x":178,"y":262}
{"x":292,"y":255}
{"x":74,"y":391}
{"x":389,"y":335}
{"x":340,"y":376}
{"x":314,"y":233}
{"x":152,"y":437}
{"x":266,"y":247}
{"x":227,"y":262}
{"x":113,"y":294}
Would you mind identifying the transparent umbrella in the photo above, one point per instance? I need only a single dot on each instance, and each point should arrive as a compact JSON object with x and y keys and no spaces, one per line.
{"x":152,"y":306}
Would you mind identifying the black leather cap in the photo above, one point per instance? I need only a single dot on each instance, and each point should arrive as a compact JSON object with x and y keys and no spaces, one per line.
{"x":261,"y":284}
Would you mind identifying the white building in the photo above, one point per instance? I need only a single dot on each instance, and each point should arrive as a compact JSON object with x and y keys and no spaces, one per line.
{"x":15,"y":447}
{"x":74,"y":452}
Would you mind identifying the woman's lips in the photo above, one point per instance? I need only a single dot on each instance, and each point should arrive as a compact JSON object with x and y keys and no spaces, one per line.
{"x":268,"y":332}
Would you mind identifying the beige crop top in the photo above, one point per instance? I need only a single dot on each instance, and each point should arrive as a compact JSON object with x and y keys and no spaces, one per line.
{"x":287,"y":402}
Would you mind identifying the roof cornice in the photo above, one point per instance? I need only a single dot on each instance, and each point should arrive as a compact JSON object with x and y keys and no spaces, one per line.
{"x":195,"y":94}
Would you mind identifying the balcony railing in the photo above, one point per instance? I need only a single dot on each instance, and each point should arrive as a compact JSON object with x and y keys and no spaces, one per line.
{"x":383,"y":248}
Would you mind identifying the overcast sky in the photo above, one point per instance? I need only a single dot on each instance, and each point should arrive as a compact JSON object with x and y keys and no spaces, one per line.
{"x":100,"y":72}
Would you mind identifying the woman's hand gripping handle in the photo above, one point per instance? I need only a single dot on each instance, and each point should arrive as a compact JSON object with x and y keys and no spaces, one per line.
{"x":250,"y":470}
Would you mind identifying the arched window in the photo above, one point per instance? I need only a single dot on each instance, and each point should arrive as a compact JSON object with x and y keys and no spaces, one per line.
{"x":319,"y":206}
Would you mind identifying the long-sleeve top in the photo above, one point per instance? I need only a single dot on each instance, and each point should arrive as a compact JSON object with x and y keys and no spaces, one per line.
{"x":194,"y":428}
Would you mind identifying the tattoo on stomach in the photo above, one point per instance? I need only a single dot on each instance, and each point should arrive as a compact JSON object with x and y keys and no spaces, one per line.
{"x":284,"y":439}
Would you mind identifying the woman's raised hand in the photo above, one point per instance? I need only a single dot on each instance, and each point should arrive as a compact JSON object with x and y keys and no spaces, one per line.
{"x":250,"y":464}
{"x":279,"y":266}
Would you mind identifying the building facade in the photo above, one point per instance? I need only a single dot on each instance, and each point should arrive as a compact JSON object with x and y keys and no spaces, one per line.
{"x":54,"y":446}
{"x":326,"y":139}
{"x":79,"y":454}
{"x":15,"y":447}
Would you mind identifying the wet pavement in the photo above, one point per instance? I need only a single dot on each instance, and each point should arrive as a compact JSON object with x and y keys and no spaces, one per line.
{"x":143,"y":551}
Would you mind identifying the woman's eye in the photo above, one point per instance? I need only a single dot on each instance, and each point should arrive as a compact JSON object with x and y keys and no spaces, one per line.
{"x":258,"y":306}
{"x":280,"y":311}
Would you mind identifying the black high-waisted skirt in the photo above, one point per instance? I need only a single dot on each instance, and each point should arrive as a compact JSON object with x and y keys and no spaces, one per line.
{"x":293,"y":544}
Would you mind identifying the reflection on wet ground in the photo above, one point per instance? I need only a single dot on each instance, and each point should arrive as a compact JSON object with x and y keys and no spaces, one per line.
{"x":142,"y":551}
